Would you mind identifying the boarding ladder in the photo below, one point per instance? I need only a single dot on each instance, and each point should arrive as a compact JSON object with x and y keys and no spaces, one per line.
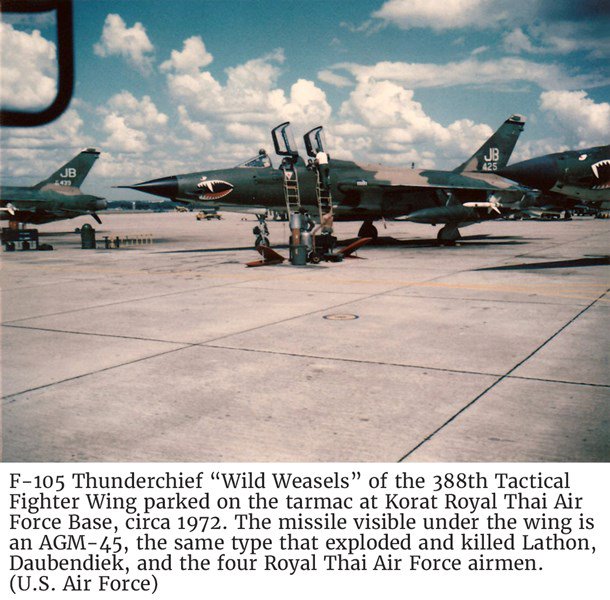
{"x":292,"y":194}
{"x":325,"y":201}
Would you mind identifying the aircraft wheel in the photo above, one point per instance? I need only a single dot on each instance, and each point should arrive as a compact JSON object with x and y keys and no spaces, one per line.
{"x":368,"y":230}
{"x":567,"y":216}
{"x":447,"y":236}
{"x":261,"y":241}
{"x":314,"y":259}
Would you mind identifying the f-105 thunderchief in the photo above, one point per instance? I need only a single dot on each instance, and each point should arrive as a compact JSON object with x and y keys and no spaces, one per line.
{"x":341,"y":190}
{"x":56,"y":198}
{"x":567,"y":181}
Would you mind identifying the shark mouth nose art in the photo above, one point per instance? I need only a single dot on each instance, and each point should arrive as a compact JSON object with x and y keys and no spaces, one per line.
{"x":601,"y":170}
{"x":214,"y":189}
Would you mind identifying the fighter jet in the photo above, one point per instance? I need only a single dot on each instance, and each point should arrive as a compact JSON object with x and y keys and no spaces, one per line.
{"x":55,"y":198}
{"x":565,"y":179}
{"x":470,"y":193}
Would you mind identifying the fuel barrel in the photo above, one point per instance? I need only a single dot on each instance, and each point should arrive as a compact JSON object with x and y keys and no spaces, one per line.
{"x":87,"y":237}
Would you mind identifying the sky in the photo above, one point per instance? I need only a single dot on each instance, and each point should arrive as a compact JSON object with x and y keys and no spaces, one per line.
{"x":173,"y":87}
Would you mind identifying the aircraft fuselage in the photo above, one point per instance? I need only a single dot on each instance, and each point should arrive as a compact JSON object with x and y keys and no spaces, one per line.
{"x":359,"y":192}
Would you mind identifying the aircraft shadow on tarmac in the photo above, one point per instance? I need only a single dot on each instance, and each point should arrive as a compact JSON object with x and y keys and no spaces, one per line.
{"x":469,"y":240}
{"x":385,"y":242}
{"x":211,"y":250}
{"x":588,"y":261}
{"x":57,"y":233}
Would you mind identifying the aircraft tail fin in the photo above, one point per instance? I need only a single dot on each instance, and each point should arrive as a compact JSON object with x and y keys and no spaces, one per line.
{"x":495,"y":152}
{"x":73,"y":173}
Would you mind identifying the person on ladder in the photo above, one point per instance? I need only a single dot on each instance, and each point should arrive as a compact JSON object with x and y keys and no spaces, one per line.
{"x":321,"y":162}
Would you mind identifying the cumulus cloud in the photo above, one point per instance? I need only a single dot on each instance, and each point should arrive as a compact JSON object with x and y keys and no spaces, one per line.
{"x":131,"y":43}
{"x":449,"y":14}
{"x":587,"y":122}
{"x":200,"y":131}
{"x":473,"y":72}
{"x":193,"y":57}
{"x":122,"y":137}
{"x":306,"y":103}
{"x":517,"y":41}
{"x":241,"y":132}
{"x":65,"y":132}
{"x":141,"y":113}
{"x":30,"y":154}
{"x":558,"y":38}
{"x":132,"y":125}
{"x":29,"y":69}
{"x":488,"y":14}
{"x":532,"y":148}
{"x":382,"y":120}
{"x":249,"y":90}
{"x":247,"y":103}
{"x":335,"y":79}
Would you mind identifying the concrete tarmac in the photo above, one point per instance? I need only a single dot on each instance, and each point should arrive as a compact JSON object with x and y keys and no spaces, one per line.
{"x":495,"y":349}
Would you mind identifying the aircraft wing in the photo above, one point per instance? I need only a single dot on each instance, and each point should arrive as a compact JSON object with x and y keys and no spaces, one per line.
{"x":40,"y":217}
{"x":471,"y":184}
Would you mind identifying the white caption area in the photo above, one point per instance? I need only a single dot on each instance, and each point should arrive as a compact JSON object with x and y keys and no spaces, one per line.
{"x":266,"y":531}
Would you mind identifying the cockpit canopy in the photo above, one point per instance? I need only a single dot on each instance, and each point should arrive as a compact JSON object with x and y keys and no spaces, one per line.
{"x":261,"y":161}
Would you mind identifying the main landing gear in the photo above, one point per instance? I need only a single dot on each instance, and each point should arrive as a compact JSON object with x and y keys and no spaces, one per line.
{"x":261,"y":231}
{"x":368,"y":230}
{"x":448,"y":235}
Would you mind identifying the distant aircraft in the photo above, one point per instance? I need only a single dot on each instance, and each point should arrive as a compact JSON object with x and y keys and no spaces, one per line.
{"x":565,"y":179}
{"x":470,"y":193}
{"x":55,"y":198}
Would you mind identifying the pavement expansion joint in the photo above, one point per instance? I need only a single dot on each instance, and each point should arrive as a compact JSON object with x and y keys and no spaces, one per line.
{"x":95,"y":334}
{"x":11,"y":398}
{"x":500,"y":379}
{"x":120,"y":302}
{"x":350,"y":360}
{"x":495,"y":300}
{"x":562,"y":381}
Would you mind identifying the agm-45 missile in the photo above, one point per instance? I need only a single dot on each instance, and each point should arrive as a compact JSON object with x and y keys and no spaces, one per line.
{"x":444,"y":214}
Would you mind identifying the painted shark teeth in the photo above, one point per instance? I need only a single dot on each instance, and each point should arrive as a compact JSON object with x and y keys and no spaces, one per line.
{"x":599,"y":165}
{"x":214,"y":188}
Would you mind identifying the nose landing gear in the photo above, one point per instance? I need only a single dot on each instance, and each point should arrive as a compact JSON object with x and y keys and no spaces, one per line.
{"x":261,"y":232}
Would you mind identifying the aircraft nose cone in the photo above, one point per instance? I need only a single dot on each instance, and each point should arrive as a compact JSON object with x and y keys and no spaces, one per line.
{"x":165,"y":186}
{"x":540,"y":173}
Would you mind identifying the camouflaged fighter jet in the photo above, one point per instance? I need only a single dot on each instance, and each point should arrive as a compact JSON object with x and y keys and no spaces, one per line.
{"x":55,"y":198}
{"x":470,"y":193}
{"x":565,"y":179}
